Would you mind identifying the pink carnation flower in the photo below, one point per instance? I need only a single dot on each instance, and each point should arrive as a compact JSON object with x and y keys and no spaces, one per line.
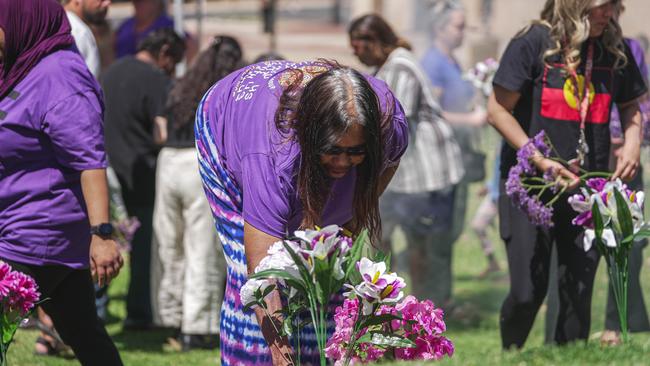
{"x":23,"y":294}
{"x":345,"y":317}
{"x":6,"y":279}
{"x":423,"y":324}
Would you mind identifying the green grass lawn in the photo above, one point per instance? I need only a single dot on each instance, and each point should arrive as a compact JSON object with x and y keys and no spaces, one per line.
{"x":476,"y":334}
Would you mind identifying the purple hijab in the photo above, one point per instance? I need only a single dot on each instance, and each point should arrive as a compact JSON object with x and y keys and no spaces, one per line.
{"x":33,"y":29}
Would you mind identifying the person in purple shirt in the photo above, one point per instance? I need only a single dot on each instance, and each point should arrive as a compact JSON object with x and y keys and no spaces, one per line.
{"x":286,"y":145}
{"x":53,"y":190}
{"x":149,"y":16}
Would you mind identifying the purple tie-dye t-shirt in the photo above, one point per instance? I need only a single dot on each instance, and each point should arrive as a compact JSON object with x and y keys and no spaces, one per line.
{"x":264,"y":164}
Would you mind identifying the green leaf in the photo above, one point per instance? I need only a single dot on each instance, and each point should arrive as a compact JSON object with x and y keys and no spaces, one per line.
{"x":623,"y":214}
{"x":597,"y":219}
{"x":304,"y":272}
{"x":334,"y":285}
{"x":323,"y":273}
{"x":354,"y":255}
{"x":268,"y":290}
{"x":366,"y":338}
{"x":379,"y":319}
{"x":643,"y":233}
{"x":598,"y":227}
{"x":290,"y":280}
{"x":287,"y":327}
{"x":390,"y":340}
{"x":382,"y":257}
{"x":250,"y":305}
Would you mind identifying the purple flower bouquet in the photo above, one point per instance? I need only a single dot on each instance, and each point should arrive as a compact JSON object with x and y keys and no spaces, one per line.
{"x":527,"y":189}
{"x":18,"y":295}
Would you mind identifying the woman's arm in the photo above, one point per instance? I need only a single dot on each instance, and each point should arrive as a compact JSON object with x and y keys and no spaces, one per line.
{"x":160,"y":130}
{"x":476,"y":118}
{"x":256,"y":245}
{"x":627,"y":160}
{"x":500,"y":106}
{"x":386,"y":177}
{"x":105,"y":257}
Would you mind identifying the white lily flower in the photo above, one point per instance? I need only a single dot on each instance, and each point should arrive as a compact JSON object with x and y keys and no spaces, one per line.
{"x":247,"y":292}
{"x":279,"y":258}
{"x":338,"y":269}
{"x":582,"y":202}
{"x":322,"y":243}
{"x":608,"y":237}
{"x":378,"y":285}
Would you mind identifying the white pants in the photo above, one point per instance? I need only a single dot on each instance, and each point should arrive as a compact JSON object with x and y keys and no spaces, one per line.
{"x":189,"y":289}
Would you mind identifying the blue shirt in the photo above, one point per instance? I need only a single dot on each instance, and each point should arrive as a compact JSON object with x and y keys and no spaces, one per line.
{"x":446,"y":74}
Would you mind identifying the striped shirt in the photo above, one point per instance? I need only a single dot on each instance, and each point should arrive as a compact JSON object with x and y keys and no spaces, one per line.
{"x":433,"y":158}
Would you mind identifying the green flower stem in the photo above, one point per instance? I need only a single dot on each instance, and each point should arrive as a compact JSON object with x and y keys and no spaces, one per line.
{"x":537,"y":186}
{"x":3,"y":353}
{"x":313,"y":308}
{"x":268,"y":315}
{"x":353,"y":336}
{"x":551,"y":202}
{"x":322,"y":335}
{"x":618,"y":277}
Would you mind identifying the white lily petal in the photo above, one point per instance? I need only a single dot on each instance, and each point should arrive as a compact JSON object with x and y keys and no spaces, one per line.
{"x":640,"y":197}
{"x":588,"y":239}
{"x":609,"y":238}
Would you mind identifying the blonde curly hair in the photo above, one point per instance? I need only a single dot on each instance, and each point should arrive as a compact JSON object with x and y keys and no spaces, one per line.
{"x":568,"y":21}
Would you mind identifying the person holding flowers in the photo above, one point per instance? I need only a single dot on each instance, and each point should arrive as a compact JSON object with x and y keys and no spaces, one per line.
{"x":560,"y":75}
{"x":53,"y":191}
{"x":283,"y":146}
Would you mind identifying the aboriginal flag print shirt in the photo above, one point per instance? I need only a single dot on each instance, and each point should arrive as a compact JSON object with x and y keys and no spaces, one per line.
{"x":548,"y":100}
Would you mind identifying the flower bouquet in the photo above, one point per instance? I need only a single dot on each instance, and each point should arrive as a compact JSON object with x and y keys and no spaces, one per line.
{"x":18,"y":294}
{"x":313,"y":268}
{"x":528,"y":190}
{"x":481,"y":75}
{"x":611,"y":214}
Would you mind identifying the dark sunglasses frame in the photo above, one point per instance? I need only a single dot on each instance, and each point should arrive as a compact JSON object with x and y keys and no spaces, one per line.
{"x":351,"y":151}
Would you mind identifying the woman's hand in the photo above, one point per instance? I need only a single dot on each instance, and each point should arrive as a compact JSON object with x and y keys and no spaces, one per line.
{"x":627,"y":160}
{"x":105,"y":260}
{"x":105,"y":257}
{"x":564,"y":176}
{"x":627,"y":157}
{"x":256,"y":245}
{"x":478,"y":117}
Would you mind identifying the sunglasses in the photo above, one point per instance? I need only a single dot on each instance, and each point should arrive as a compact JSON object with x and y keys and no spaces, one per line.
{"x":350,"y":151}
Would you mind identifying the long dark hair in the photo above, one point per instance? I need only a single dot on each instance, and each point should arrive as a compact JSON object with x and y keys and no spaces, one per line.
{"x":317,"y":115}
{"x":220,"y":59}
{"x":376,"y":28}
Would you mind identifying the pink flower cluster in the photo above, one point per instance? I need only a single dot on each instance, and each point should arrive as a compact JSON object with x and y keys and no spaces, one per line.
{"x":18,"y":291}
{"x":420,"y":322}
{"x":423,"y":324}
{"x":345,"y":317}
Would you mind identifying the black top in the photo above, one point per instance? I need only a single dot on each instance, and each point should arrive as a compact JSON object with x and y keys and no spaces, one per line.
{"x":179,"y":136}
{"x":546,"y":102}
{"x":134,"y":94}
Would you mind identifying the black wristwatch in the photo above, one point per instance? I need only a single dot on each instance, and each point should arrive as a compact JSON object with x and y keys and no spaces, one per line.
{"x":104,"y":230}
